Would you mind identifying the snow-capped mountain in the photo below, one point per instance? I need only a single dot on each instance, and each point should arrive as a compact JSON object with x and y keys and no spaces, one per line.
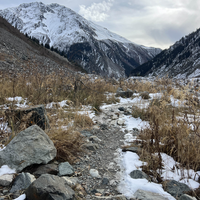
{"x":93,"y":47}
{"x":181,"y":60}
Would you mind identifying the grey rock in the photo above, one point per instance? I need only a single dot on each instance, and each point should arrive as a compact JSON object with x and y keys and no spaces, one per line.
{"x":104,"y":127}
{"x":175,"y":188}
{"x":46,"y":169}
{"x":125,"y":94}
{"x":94,"y":139}
{"x":132,"y":149}
{"x":86,"y":133}
{"x":121,"y":109}
{"x":28,"y":117}
{"x":71,"y":181}
{"x":120,"y":122}
{"x":137,"y":174}
{"x":91,"y":146}
{"x":117,"y":197}
{"x":22,"y":181}
{"x":105,"y":181}
{"x":145,"y":195}
{"x":49,"y":187}
{"x":31,"y":146}
{"x":65,"y":169}
{"x":94,"y":173}
{"x":186,"y":197}
{"x":6,"y":180}
{"x":114,"y":117}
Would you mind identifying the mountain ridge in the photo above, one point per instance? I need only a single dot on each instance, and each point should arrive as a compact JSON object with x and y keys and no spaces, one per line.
{"x":93,"y":47}
{"x":181,"y":60}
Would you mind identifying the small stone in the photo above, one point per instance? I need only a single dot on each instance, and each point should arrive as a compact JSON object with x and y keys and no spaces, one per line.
{"x":105,"y":181}
{"x":86,"y":133}
{"x":114,"y":117}
{"x":175,"y":188}
{"x":22,"y":181}
{"x":71,"y":181}
{"x":137,"y":174}
{"x":6,"y":180}
{"x":91,"y":146}
{"x":5,"y":191}
{"x":144,"y":195}
{"x":120,"y":122}
{"x":98,"y":194}
{"x":186,"y":197}
{"x":121,"y":109}
{"x":94,"y":139}
{"x":94,"y":173}
{"x":65,"y":169}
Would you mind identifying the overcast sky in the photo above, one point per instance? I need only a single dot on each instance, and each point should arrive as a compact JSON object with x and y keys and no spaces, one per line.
{"x":156,"y":23}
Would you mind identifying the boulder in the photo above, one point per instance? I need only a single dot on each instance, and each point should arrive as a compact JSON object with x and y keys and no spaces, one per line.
{"x":49,"y":187}
{"x":6,"y":179}
{"x":31,"y":146}
{"x":65,"y":169}
{"x":137,"y":174}
{"x":22,"y":182}
{"x":175,"y":188}
{"x":21,"y":119}
{"x":145,"y":195}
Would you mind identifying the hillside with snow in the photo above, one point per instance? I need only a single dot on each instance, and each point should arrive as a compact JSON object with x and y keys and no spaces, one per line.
{"x":181,"y":60}
{"x":89,"y":45}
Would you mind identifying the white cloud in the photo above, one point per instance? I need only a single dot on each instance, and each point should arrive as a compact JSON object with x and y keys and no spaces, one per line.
{"x":97,"y":12}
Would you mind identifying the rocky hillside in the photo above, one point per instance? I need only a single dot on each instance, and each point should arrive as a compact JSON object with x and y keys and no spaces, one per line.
{"x":20,"y":54}
{"x":93,"y":47}
{"x":181,"y":60}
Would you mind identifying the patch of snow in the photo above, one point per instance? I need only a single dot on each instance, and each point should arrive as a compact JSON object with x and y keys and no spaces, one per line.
{"x":6,"y":170}
{"x":21,"y":197}
{"x":132,"y":122}
{"x":128,"y":186}
{"x":170,"y":171}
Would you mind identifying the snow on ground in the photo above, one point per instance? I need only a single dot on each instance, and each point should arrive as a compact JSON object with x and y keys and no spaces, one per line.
{"x":171,"y":171}
{"x":132,"y":122}
{"x":21,"y":197}
{"x":128,"y":186}
{"x":20,"y":102}
{"x":6,"y":170}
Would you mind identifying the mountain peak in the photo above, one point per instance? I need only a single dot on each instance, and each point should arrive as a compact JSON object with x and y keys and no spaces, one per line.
{"x":93,"y":47}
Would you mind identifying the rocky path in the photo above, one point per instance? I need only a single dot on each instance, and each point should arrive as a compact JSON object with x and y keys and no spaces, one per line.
{"x":104,"y":142}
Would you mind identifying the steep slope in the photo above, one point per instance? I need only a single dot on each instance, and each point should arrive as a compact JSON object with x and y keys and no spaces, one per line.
{"x":20,"y":54}
{"x":181,"y":60}
{"x":93,"y":47}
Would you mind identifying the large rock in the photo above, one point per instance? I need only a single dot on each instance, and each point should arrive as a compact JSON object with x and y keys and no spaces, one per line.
{"x":175,"y":188}
{"x":31,"y":146}
{"x":20,"y":119}
{"x":22,"y":181}
{"x":145,"y":195}
{"x":137,"y":174}
{"x":49,"y":187}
